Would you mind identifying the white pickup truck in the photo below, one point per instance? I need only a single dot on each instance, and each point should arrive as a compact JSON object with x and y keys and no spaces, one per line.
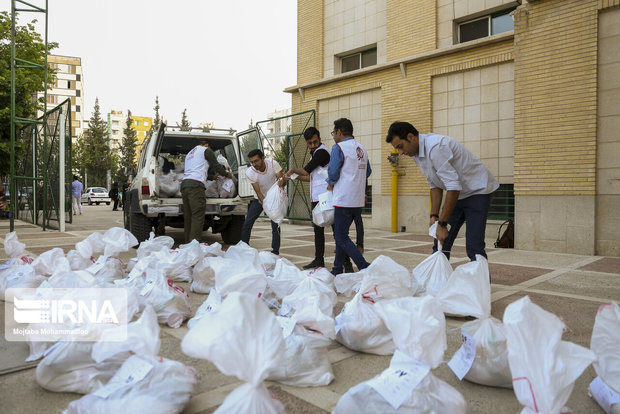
{"x":147,"y":207}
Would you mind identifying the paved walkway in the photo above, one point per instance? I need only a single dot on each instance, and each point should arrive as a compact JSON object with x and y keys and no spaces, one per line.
{"x":571,"y":286}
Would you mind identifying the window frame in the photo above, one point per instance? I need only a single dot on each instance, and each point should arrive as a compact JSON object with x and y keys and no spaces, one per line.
{"x":489,"y":17}
{"x":360,"y":60}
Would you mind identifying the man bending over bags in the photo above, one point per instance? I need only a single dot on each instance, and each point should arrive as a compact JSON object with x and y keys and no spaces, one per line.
{"x":197,"y":163}
{"x":448,"y":165}
{"x":263,"y":174}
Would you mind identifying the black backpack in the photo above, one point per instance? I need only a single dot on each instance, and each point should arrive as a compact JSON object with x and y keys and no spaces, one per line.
{"x":506,"y":240}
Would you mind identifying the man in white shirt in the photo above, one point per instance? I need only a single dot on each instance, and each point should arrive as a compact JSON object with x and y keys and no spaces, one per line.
{"x":315,"y":172}
{"x":197,"y":163}
{"x":347,"y":174}
{"x":263,"y":174}
{"x":449,"y":166}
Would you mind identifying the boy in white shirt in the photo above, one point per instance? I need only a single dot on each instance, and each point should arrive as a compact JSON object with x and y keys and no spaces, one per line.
{"x":263,"y":174}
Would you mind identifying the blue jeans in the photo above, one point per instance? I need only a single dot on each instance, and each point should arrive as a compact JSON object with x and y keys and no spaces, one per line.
{"x":472,"y":210}
{"x":343,"y":217}
{"x":254,"y":210}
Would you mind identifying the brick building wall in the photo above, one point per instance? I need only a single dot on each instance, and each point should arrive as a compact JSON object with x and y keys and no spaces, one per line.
{"x":553,"y":55}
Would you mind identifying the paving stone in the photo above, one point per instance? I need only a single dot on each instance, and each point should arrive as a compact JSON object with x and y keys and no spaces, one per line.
{"x":578,"y":315}
{"x":593,"y":284}
{"x":604,"y":264}
{"x":512,"y":275}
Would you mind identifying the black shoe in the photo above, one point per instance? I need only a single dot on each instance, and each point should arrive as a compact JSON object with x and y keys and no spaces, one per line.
{"x":314,"y":264}
{"x":348,"y":267}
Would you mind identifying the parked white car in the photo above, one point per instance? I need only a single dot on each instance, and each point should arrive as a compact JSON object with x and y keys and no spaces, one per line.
{"x":95,"y":195}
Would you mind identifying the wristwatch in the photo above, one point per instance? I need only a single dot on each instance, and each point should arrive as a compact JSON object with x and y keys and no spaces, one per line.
{"x":442,"y":223}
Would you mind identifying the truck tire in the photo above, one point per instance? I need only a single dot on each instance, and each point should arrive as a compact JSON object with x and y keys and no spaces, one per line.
{"x":232,"y":233}
{"x":139,"y":226}
{"x":126,"y":219}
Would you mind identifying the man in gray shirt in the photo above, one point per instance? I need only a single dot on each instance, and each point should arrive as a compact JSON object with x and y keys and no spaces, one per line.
{"x":449,"y":166}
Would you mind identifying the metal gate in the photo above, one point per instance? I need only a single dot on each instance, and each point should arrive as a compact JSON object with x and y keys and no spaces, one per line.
{"x":283,"y":140}
{"x":43,"y":169}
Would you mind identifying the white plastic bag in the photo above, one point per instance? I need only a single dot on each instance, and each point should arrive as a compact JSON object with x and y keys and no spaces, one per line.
{"x":240,"y":270}
{"x":170,"y":301}
{"x":310,"y":290}
{"x":322,"y":218}
{"x":483,"y":357}
{"x":286,"y":277}
{"x":605,"y":339}
{"x":269,"y":261}
{"x":468,"y":290}
{"x":433,"y":272}
{"x":203,"y":276}
{"x":154,"y":244}
{"x":12,"y":246}
{"x":211,"y":304}
{"x":169,"y":184}
{"x":83,"y":367}
{"x":211,"y":189}
{"x":107,"y":269}
{"x":117,"y":240}
{"x":408,"y":386}
{"x":160,"y":385}
{"x":275,"y":203}
{"x":77,"y":261}
{"x":45,"y":263}
{"x":358,"y":326}
{"x":91,"y":246}
{"x":19,"y":276}
{"x":243,"y":339}
{"x":176,"y":264}
{"x":305,"y":362}
{"x":211,"y":250}
{"x":544,"y":368}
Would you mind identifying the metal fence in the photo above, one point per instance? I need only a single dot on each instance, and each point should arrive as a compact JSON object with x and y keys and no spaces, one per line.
{"x":43,"y":169}
{"x":284,"y":141}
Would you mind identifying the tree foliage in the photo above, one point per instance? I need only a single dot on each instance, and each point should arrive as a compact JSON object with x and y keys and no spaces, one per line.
{"x":29,"y":46}
{"x":157,"y":119}
{"x":281,"y":155}
{"x":93,"y":155}
{"x":185,"y":124}
{"x":128,"y":145}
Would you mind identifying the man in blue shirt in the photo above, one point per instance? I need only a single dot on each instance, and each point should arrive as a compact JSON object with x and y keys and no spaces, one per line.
{"x":347,"y":175}
{"x":76,"y":195}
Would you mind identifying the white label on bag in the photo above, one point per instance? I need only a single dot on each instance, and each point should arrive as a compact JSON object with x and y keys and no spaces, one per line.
{"x":148,"y":286}
{"x":603,"y":394}
{"x":396,"y":384}
{"x":463,"y":359}
{"x":285,"y":309}
{"x":228,"y":185}
{"x":98,"y":265}
{"x":325,"y":201}
{"x":131,"y":372}
{"x":287,"y":324}
{"x":294,"y":176}
{"x":340,"y":319}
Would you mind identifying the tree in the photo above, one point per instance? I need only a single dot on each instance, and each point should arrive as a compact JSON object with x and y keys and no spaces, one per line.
{"x":28,"y":46}
{"x":185,"y":124}
{"x":128,"y":145}
{"x":281,"y":155}
{"x":93,"y":155}
{"x":157,"y":119}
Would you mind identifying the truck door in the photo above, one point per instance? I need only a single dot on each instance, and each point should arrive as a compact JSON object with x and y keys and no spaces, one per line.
{"x":248,"y":140}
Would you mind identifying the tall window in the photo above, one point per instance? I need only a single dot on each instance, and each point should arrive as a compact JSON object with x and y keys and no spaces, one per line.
{"x":486,"y":26}
{"x":358,"y":60}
